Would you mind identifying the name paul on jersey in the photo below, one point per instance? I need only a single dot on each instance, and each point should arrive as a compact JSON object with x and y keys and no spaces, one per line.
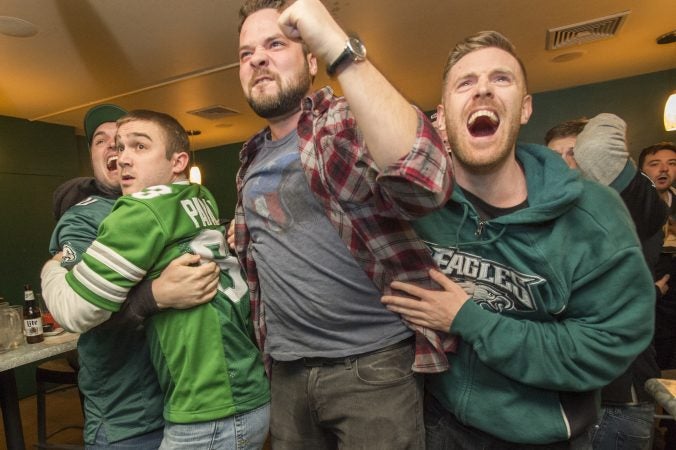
{"x":495,"y":286}
{"x":198,"y":208}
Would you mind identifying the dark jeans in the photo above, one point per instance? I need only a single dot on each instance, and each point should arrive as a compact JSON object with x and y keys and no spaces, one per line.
{"x":444,"y":432}
{"x":371,"y":402}
{"x":624,"y":427}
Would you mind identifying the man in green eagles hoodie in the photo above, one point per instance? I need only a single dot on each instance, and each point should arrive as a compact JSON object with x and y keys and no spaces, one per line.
{"x":540,"y":272}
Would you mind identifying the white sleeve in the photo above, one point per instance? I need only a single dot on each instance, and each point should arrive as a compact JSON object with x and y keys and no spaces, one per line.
{"x":71,"y":311}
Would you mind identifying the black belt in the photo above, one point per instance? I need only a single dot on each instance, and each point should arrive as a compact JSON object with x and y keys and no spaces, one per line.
{"x":320,"y":361}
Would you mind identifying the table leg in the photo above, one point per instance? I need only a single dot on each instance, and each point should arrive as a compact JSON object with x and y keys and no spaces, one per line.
{"x":11,"y":416}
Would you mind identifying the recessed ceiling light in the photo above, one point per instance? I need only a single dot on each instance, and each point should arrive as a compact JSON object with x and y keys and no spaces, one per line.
{"x":565,"y":57}
{"x":15,"y":27}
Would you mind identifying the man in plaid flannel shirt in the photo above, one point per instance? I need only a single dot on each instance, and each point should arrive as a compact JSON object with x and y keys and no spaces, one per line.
{"x":325,"y":193}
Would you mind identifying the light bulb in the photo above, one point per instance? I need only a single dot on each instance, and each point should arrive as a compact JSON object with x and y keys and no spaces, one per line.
{"x":195,"y":175}
{"x":670,"y":113}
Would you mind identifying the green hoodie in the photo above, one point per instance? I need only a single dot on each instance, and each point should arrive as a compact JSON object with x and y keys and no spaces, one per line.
{"x":556,"y":310}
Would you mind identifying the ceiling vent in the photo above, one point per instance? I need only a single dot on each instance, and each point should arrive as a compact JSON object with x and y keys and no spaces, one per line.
{"x":585,"y":32}
{"x":214,"y":112}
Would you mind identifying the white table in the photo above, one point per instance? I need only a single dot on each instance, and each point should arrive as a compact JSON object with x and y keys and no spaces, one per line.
{"x":9,"y":399}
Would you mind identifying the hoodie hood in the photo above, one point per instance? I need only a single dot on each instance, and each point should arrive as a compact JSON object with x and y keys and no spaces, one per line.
{"x":553,"y":188}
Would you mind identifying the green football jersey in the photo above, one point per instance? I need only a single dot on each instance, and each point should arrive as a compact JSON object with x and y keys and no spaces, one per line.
{"x":205,"y":357}
{"x":116,"y":376}
{"x":77,"y":228}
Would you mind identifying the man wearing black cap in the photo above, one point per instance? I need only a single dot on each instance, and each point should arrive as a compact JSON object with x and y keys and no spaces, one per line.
{"x":128,"y":412}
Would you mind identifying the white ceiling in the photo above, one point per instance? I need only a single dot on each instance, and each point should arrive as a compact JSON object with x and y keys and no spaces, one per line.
{"x":178,"y":55}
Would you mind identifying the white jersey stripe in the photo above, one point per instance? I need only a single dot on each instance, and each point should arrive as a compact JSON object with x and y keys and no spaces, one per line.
{"x":116,"y":262}
{"x":97,"y":284}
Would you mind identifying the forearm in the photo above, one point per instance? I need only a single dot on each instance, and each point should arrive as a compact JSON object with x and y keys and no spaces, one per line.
{"x":387,"y":121}
{"x":139,"y":306}
{"x":605,"y":325}
{"x":69,"y":309}
{"x":601,"y":149}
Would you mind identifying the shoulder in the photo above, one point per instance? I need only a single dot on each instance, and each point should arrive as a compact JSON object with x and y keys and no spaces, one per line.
{"x":603,"y":208}
{"x":158,"y":200}
{"x":93,"y":200}
{"x":156,"y":195}
{"x":92,"y":207}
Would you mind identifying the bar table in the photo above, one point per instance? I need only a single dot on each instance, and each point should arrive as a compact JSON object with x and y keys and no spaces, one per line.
{"x":9,"y":399}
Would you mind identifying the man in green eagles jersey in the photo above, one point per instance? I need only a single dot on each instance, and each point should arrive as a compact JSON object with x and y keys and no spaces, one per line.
{"x":206,"y":361}
{"x":128,"y":413}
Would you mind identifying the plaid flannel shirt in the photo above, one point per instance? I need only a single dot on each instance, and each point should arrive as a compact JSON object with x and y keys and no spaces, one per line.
{"x":369,"y":207}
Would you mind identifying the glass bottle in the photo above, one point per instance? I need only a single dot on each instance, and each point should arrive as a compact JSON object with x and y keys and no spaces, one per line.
{"x":32,"y":317}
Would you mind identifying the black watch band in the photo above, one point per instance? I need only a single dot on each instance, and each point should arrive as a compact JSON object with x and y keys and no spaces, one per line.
{"x":354,"y":51}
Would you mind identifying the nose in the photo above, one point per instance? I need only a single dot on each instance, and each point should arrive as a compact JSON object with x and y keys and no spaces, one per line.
{"x":259,"y":57}
{"x":483,"y":88}
{"x":123,"y":158}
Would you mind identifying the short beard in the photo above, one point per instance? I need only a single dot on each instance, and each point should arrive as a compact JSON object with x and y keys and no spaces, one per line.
{"x":286,"y":101}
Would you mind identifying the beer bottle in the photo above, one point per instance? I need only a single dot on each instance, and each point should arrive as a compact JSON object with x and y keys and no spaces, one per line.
{"x":32,"y":317}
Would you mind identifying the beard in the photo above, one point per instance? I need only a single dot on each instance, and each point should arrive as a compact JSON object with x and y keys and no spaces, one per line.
{"x":286,"y":100}
{"x":482,"y":161}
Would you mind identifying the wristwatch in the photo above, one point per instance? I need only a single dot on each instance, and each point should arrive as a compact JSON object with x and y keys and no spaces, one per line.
{"x":354,"y":52}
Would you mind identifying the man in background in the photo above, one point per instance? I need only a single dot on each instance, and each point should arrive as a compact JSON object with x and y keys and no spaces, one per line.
{"x":128,"y":413}
{"x":658,"y":161}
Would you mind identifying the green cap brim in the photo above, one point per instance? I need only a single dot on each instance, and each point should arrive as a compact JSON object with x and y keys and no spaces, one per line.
{"x":100,"y":114}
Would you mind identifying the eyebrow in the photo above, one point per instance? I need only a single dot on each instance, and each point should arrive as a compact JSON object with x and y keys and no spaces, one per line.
{"x":498,"y":71}
{"x":135,"y":135}
{"x":265,"y":42}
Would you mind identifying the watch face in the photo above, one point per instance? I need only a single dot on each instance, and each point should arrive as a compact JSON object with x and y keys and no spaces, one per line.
{"x":357,"y":48}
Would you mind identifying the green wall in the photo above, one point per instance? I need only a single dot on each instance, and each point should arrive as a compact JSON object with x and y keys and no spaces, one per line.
{"x":35,"y":158}
{"x":219,"y":166}
{"x":638,"y":100}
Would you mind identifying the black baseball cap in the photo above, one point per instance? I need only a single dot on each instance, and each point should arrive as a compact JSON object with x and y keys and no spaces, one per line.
{"x":100,"y":114}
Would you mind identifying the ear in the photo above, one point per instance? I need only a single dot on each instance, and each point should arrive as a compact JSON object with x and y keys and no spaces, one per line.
{"x":440,"y":123}
{"x":179,"y":162}
{"x":312,"y":63}
{"x":526,"y":109}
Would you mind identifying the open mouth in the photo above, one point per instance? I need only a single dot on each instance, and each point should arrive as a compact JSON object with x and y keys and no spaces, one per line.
{"x":483,"y":123}
{"x":111,"y":163}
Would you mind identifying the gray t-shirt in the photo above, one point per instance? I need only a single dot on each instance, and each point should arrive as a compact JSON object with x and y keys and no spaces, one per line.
{"x":318,"y":300}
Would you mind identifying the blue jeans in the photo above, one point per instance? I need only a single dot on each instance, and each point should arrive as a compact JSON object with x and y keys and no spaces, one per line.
{"x":246,"y":431}
{"x":148,"y":441}
{"x":371,"y":401}
{"x":624,"y":427}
